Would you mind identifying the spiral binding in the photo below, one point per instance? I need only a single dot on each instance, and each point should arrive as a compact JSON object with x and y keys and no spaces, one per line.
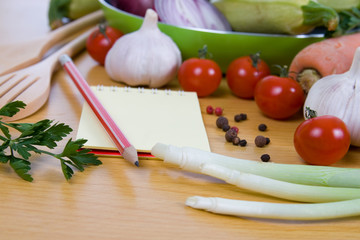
{"x":139,"y":90}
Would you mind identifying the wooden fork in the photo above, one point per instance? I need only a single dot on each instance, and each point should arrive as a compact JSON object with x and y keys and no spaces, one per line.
{"x":32,"y":84}
{"x":23,"y":55}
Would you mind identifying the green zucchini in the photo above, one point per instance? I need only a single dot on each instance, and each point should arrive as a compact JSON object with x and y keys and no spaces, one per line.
{"x":277,"y":16}
{"x":340,"y":5}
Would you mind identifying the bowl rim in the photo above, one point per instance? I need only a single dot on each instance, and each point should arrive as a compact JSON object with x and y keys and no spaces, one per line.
{"x":310,"y":35}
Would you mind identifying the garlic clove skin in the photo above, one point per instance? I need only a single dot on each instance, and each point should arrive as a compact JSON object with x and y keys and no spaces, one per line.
{"x":339,"y":95}
{"x":146,"y":57}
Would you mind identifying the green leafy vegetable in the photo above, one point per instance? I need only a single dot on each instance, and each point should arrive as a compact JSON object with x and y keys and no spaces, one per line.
{"x":17,"y":150}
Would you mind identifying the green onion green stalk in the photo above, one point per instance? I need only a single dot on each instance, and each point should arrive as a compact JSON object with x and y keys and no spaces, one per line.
{"x":192,"y":159}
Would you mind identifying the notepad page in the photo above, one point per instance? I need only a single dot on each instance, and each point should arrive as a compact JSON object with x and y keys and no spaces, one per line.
{"x":146,"y":117}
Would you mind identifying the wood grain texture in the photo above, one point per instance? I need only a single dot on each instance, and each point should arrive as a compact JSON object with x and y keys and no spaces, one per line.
{"x":118,"y":201}
{"x":20,"y":55}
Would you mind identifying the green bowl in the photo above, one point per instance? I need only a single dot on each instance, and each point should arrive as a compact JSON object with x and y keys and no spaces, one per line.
{"x":224,"y":46}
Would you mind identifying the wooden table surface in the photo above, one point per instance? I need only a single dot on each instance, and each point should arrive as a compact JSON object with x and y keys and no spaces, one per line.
{"x":118,"y":201}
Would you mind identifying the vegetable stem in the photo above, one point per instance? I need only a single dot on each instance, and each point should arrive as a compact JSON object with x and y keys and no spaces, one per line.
{"x":309,"y":113}
{"x":286,"y":211}
{"x":192,"y":159}
{"x":316,"y":14}
{"x":280,"y":189}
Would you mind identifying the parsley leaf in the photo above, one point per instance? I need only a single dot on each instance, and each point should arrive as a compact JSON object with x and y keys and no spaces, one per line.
{"x":21,"y":167}
{"x":72,"y":156}
{"x":11,"y":108}
{"x":45,"y":133}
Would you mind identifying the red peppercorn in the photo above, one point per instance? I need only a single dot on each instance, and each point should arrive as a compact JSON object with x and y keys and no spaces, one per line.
{"x":218,"y":111}
{"x":209,"y":109}
{"x":236,"y":129}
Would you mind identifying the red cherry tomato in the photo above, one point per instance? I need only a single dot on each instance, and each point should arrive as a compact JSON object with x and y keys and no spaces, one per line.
{"x":244,"y":73}
{"x":322,"y":140}
{"x":100,"y":41}
{"x":202,"y":76}
{"x":279,"y":97}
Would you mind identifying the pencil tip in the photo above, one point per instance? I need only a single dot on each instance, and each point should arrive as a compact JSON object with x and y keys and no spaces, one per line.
{"x":130,"y":154}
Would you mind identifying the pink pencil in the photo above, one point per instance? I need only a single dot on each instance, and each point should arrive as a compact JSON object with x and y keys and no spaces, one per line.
{"x":123,"y":145}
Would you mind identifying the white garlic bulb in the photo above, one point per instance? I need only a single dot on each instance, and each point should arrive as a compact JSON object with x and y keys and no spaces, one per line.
{"x":146,"y":57}
{"x":339,"y":95}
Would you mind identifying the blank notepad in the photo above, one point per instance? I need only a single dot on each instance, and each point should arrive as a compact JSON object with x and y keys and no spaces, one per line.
{"x":146,"y":117}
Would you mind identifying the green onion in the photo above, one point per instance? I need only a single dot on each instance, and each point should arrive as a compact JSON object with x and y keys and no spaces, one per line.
{"x":192,"y":159}
{"x":286,"y":211}
{"x":280,"y":189}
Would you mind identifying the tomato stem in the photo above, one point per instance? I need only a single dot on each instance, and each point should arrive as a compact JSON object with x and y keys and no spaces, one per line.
{"x":102,"y":29}
{"x":203,"y":53}
{"x":309,"y":113}
{"x":283,"y":70}
{"x":255,"y":58}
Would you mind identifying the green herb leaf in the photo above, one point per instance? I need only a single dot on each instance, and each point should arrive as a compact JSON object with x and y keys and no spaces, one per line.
{"x":12,"y":108}
{"x":21,"y":167}
{"x":4,"y":158}
{"x":5,"y":131}
{"x":77,"y":158}
{"x":24,"y":149}
{"x":84,"y":158}
{"x":4,"y":145}
{"x":44,"y":133}
{"x":72,"y":147}
{"x":67,"y":171}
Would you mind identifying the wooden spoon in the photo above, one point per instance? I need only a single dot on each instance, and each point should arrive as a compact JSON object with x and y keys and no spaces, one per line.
{"x":32,"y":84}
{"x":22,"y":55}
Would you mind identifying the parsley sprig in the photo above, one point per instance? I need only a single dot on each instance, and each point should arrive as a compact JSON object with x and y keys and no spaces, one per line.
{"x":33,"y":138}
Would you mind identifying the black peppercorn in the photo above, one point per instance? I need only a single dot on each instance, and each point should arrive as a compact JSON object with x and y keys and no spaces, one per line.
{"x":265,"y":157}
{"x":230,"y":135}
{"x":225,"y":127}
{"x":262,"y":127}
{"x":237,"y":118}
{"x":267,"y":141}
{"x":240,"y":117}
{"x":221,"y":121}
{"x":243,"y":143}
{"x":260,"y":141}
{"x":236,"y":141}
